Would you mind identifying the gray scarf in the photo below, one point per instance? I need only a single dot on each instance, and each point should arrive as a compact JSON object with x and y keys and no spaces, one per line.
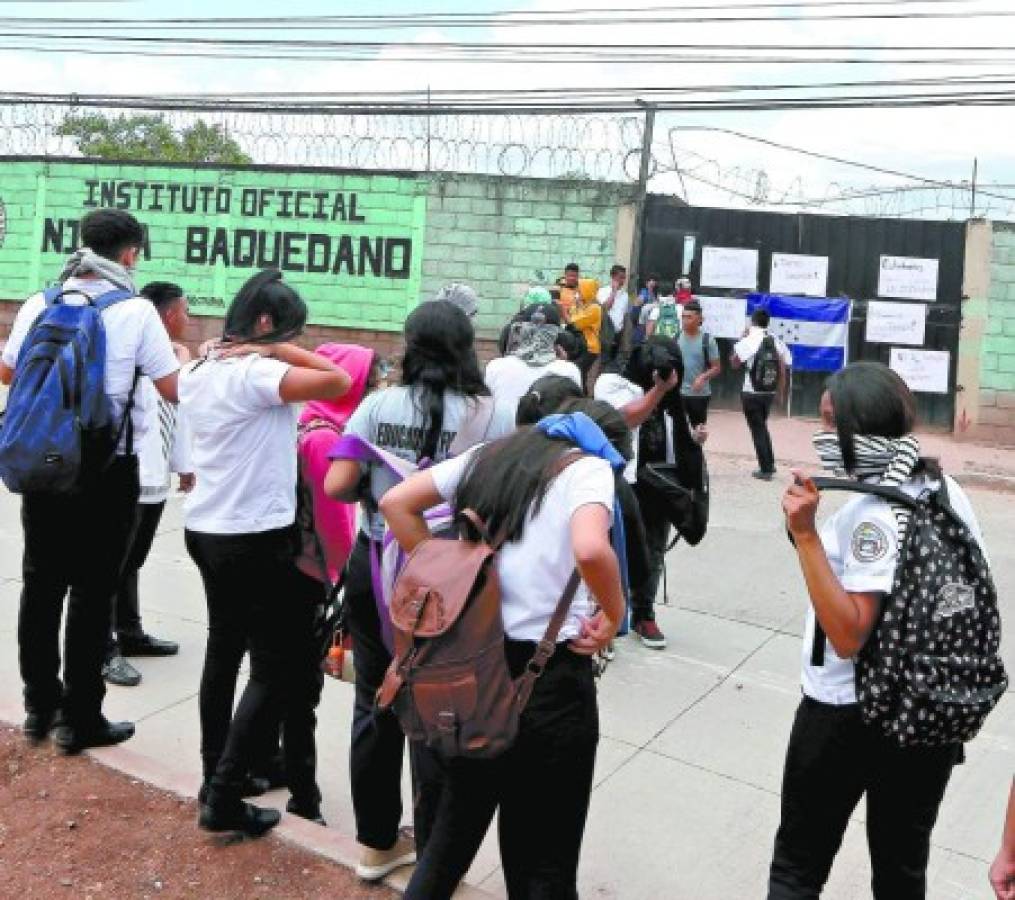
{"x":533,"y":344}
{"x":87,"y":262}
{"x":887,"y":461}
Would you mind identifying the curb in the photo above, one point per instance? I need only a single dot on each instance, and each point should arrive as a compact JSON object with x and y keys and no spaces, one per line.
{"x":329,"y":843}
{"x":989,"y":479}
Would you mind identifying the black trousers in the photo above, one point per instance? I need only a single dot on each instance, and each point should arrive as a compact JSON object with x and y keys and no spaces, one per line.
{"x":258,"y":602}
{"x":756,"y":410}
{"x":377,"y":746}
{"x":832,"y":759}
{"x":541,"y":786}
{"x":657,"y":536}
{"x":126,"y":603}
{"x":696,"y":409}
{"x":76,"y":543}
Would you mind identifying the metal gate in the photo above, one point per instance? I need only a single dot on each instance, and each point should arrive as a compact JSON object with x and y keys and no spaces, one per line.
{"x":675,"y":234}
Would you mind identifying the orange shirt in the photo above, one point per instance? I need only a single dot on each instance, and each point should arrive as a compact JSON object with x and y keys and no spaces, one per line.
{"x":588,"y":319}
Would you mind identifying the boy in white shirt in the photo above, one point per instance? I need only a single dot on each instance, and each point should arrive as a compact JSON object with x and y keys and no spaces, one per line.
{"x":164,"y":450}
{"x":76,"y":543}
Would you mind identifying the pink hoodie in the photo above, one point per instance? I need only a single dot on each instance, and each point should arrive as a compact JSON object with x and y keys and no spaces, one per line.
{"x":334,"y":522}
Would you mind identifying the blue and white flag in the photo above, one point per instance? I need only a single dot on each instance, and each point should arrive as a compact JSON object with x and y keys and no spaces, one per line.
{"x":815,"y":328}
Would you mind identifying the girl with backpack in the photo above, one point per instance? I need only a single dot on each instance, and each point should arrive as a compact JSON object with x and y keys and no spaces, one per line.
{"x":240,"y":529}
{"x":553,"y":519}
{"x":849,"y":564}
{"x":441,"y":406}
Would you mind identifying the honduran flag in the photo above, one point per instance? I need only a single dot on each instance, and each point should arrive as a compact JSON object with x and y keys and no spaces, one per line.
{"x":815,"y":328}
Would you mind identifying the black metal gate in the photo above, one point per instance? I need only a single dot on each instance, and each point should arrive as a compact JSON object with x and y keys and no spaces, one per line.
{"x":675,"y":234}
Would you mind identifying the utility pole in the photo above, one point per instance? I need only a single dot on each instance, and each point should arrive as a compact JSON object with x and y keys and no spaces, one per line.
{"x":428,"y":120}
{"x":972,"y":196}
{"x":644,"y":172}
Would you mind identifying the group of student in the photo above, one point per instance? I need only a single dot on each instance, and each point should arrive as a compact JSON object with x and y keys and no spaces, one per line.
{"x":570,"y":473}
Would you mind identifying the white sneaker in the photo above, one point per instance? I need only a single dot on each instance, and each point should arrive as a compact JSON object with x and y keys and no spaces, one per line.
{"x":374,"y":864}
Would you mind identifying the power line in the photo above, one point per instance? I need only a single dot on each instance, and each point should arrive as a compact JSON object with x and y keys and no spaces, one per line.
{"x":813,"y":154}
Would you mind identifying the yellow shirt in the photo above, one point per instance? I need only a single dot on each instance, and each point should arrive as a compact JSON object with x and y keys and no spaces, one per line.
{"x":588,"y":319}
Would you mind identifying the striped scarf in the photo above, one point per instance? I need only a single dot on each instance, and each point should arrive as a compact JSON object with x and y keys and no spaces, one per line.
{"x":887,"y":461}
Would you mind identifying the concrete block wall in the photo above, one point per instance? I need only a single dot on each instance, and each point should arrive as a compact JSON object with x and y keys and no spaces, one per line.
{"x":985,"y":410}
{"x":501,"y":235}
{"x":504,"y":235}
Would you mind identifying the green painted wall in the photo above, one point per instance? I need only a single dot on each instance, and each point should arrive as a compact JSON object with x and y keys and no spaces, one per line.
{"x":352,"y":244}
{"x":361,"y":248}
{"x":504,"y":235}
{"x":997,"y":361}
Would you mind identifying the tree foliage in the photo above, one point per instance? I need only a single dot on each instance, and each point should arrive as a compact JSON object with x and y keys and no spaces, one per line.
{"x":150,"y":138}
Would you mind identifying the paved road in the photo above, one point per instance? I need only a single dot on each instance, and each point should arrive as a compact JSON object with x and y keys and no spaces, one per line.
{"x":687,"y":786}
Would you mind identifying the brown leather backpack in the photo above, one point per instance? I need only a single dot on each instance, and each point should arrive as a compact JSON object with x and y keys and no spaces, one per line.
{"x":449,"y":683}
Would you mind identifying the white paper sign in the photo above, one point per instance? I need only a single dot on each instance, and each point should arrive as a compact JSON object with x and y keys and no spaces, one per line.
{"x":733,"y":268}
{"x":908,"y":278}
{"x":896,"y":323}
{"x":793,"y":273}
{"x":723,"y":317}
{"x":925,"y":371}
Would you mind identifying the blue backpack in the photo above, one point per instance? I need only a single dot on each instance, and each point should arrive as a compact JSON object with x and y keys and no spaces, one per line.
{"x":58,"y":429}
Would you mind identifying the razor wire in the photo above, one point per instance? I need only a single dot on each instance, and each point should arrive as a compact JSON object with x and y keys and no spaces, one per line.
{"x":704,"y":181}
{"x":590,"y":147}
{"x":587,"y":147}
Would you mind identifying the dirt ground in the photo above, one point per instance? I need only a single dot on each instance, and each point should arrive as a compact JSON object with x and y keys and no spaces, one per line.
{"x":69,"y":827}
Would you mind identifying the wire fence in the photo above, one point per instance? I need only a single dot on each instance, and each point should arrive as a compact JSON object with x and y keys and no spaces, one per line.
{"x":545,"y":146}
{"x":593,"y":147}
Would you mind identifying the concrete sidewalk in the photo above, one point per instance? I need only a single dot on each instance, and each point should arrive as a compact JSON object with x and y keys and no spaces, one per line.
{"x":729,"y":445}
{"x":686,"y":798}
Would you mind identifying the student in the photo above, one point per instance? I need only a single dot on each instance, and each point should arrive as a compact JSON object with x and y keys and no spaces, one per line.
{"x":442,"y":394}
{"x":867,"y":416}
{"x":164,"y":450}
{"x":78,"y":542}
{"x":532,"y":351}
{"x":587,"y":317}
{"x":565,"y":290}
{"x":645,"y":392}
{"x":240,"y":530}
{"x":320,"y":423}
{"x":553,"y":522}
{"x":613,"y":298}
{"x":641,"y":309}
{"x":757,"y":403}
{"x":700,"y":353}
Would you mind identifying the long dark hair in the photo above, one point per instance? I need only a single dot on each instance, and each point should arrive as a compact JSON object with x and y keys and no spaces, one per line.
{"x":265,"y":294}
{"x":868,"y":398}
{"x":546,"y":396}
{"x":509,"y":478}
{"x":439,"y":356}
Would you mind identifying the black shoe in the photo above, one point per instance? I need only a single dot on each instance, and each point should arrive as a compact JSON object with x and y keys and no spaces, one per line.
{"x":762,"y":475}
{"x":73,"y":739}
{"x":245,"y":818}
{"x":145,"y":645}
{"x":116,"y":670}
{"x":251,"y":787}
{"x":39,"y":724}
{"x":309,"y":811}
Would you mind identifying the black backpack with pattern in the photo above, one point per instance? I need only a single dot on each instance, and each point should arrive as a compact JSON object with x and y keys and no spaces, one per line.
{"x":931,"y":671}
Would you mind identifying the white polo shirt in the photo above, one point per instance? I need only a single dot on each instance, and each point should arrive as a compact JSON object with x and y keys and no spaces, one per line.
{"x":135,"y":339}
{"x":747,"y":346}
{"x":618,"y":392}
{"x":618,"y":311}
{"x":862,"y":545}
{"x":534,"y":570}
{"x":243,"y":445}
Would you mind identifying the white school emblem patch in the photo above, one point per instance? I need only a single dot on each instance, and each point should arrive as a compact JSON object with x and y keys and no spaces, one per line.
{"x":870,"y":543}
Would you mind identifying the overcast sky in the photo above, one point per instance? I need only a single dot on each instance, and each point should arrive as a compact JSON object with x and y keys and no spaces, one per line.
{"x":936,"y":143}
